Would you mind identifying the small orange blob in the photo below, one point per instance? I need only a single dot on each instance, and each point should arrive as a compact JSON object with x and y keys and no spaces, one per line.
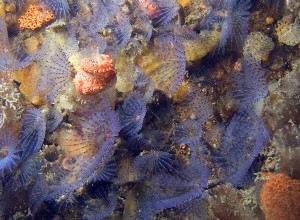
{"x":184,"y":3}
{"x":11,"y":7}
{"x":280,"y":196}
{"x":150,"y":8}
{"x":96,"y":76}
{"x":36,"y":16}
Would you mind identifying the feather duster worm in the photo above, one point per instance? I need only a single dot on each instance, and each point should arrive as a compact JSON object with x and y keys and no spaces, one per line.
{"x":132,"y":114}
{"x":244,"y":137}
{"x":9,"y":154}
{"x":87,"y":148}
{"x":164,"y":64}
{"x":33,"y":132}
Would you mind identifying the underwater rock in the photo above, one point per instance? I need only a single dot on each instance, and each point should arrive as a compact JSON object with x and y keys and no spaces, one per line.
{"x":288,"y":32}
{"x":286,"y":127}
{"x":233,"y":202}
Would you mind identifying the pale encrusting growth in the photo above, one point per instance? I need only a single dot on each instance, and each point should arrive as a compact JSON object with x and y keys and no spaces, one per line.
{"x":9,"y":96}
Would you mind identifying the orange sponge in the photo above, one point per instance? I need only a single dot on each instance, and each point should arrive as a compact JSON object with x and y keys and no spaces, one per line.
{"x":280,"y":198}
{"x":35,"y":17}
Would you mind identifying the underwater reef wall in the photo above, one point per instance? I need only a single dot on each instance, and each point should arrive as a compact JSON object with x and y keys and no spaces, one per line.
{"x":149,"y":109}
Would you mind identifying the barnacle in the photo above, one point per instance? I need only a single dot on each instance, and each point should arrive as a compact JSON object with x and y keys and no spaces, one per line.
{"x":36,"y":16}
{"x":51,"y":153}
{"x":9,"y":154}
{"x":258,"y":45}
{"x":232,"y":200}
{"x":132,"y":114}
{"x":288,"y":33}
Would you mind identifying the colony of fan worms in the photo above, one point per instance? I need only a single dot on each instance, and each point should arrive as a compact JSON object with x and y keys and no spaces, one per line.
{"x":127,"y":109}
